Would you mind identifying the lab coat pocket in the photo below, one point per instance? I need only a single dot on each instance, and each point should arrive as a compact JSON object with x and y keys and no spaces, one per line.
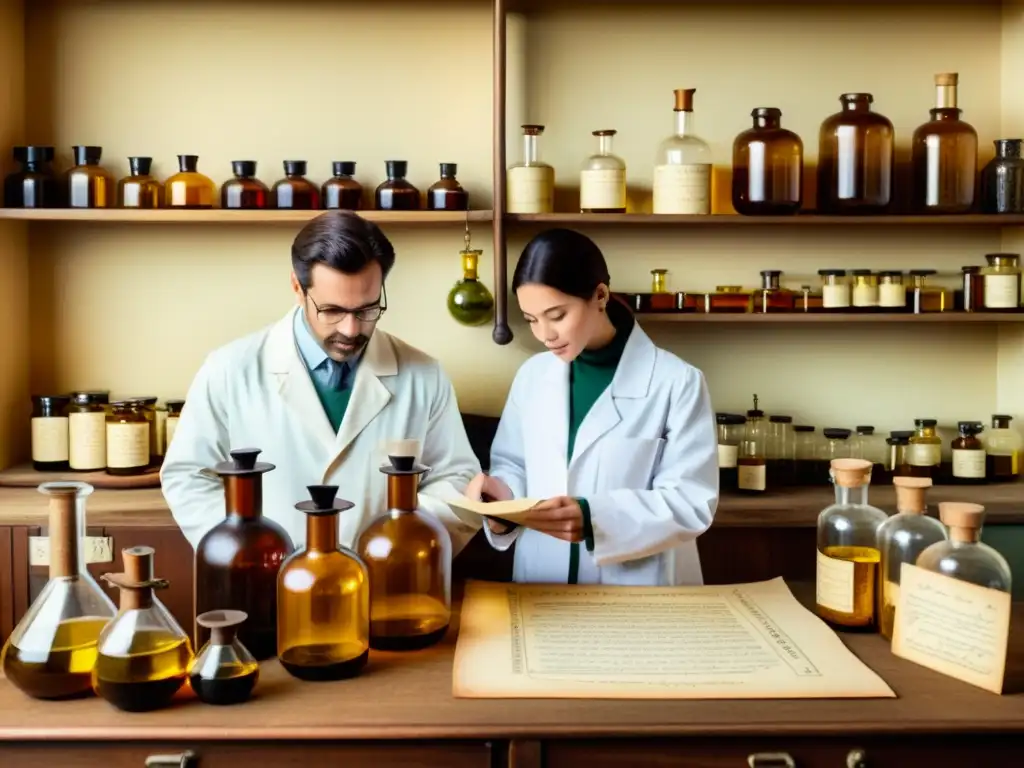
{"x":628,"y":463}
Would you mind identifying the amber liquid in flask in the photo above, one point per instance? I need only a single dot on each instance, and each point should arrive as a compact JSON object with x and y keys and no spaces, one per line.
{"x":223,"y":672}
{"x":51,"y":653}
{"x":89,"y":185}
{"x":323,"y":598}
{"x":188,"y":188}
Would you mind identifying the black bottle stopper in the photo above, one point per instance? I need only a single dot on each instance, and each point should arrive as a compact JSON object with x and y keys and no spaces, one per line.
{"x":396,"y":169}
{"x":344,"y":167}
{"x":188,"y":163}
{"x":243,"y":462}
{"x":243,"y":169}
{"x":324,"y":501}
{"x":20,"y":154}
{"x":448,"y":170}
{"x":140,"y":166}
{"x":87,"y":155}
{"x":402,"y":455}
{"x":294,"y":167}
{"x":38,"y":154}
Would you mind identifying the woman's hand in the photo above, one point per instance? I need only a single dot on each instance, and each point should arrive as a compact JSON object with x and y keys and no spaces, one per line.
{"x":560,"y":517}
{"x":495,"y":490}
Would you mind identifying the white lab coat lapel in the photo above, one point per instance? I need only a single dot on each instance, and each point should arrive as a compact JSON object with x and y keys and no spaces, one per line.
{"x":369,"y":395}
{"x":550,"y":408}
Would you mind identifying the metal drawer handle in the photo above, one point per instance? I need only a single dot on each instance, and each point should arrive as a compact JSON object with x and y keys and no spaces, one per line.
{"x":770,"y":760}
{"x":186,"y":759}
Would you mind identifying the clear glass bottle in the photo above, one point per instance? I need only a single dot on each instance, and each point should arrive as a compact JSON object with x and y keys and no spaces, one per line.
{"x":767,"y":167}
{"x":244,"y":191}
{"x":342,"y":190}
{"x":1004,"y":450}
{"x":323,"y":598}
{"x":770,"y":297}
{"x":865,"y":444}
{"x":409,"y":556}
{"x":901,"y":539}
{"x":924,"y":453}
{"x":87,"y":431}
{"x":731,"y":427}
{"x":806,"y":454}
{"x":925,"y":297}
{"x":1001,"y":283}
{"x":864,"y":296}
{"x":835,"y":290}
{"x":856,"y":159}
{"x":223,"y":672}
{"x":531,"y":182}
{"x":752,"y":463}
{"x":963,"y":556}
{"x":945,"y":155}
{"x":51,"y":653}
{"x":49,"y":426}
{"x":140,"y":189}
{"x":780,"y":452}
{"x":188,"y":188}
{"x":603,"y":178}
{"x":968,"y":454}
{"x":397,"y":194}
{"x":897,"y":445}
{"x":143,"y":654}
{"x":447,"y":194}
{"x":683,"y":164}
{"x":835,"y":445}
{"x":128,"y":437}
{"x":89,"y":185}
{"x":972,"y":291}
{"x":295,"y":191}
{"x":469,"y":301}
{"x":237,"y":561}
{"x":174,"y":409}
{"x":1002,"y":180}
{"x":35,"y":185}
{"x":848,"y":556}
{"x":892,"y":293}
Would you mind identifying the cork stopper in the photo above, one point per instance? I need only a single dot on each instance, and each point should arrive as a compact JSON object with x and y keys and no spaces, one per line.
{"x":851,"y":473}
{"x":63,"y":533}
{"x":533,"y":130}
{"x":684,"y":99}
{"x":910,"y":493}
{"x":963,"y":519}
{"x":223,"y":625}
{"x":137,"y":582}
{"x":947,"y":78}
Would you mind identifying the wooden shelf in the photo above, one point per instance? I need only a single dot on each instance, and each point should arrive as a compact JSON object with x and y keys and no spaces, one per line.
{"x":222,"y":216}
{"x":930,"y":318}
{"x":729,"y":220}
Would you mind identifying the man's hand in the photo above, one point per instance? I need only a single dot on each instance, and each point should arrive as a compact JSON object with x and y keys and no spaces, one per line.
{"x":483,"y":487}
{"x":560,"y":517}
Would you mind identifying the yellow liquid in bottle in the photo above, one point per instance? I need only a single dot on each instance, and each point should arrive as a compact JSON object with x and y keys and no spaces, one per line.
{"x":63,"y":669}
{"x":146,"y":678}
{"x":887,"y":611}
{"x":865,"y":561}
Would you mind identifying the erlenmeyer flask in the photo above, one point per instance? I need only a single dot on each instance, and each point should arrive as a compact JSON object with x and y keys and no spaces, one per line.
{"x":143,"y":653}
{"x":51,"y":653}
{"x":224,"y":672}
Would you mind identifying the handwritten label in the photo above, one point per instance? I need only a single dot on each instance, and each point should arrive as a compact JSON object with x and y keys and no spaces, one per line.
{"x":95,"y":549}
{"x":727,"y":456}
{"x":834,"y":584}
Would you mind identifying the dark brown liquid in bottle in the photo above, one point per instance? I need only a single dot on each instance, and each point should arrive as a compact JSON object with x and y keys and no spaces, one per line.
{"x":447,"y":194}
{"x":768,"y":166}
{"x":312,"y":662}
{"x":945,"y":157}
{"x":855,"y":159}
{"x":397,"y":194}
{"x":224,"y":690}
{"x":999,"y":468}
{"x":296,"y":193}
{"x":339,"y":194}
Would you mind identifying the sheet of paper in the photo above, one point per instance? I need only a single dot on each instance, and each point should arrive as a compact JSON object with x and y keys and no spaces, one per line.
{"x":740,"y":641}
{"x":508,"y":510}
{"x":959,"y":629}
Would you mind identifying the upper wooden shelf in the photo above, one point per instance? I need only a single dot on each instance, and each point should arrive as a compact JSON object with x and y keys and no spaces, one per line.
{"x":827,"y":317}
{"x":730,"y":220}
{"x":223,"y":216}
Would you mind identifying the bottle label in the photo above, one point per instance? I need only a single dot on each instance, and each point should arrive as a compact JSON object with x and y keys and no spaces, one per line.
{"x":865,"y":295}
{"x":171,"y":426}
{"x":127,"y":445}
{"x":531,"y":189}
{"x":835,"y":296}
{"x":727,"y":455}
{"x":1002,"y":291}
{"x":50,"y":438}
{"x":87,"y":435}
{"x":683,"y":189}
{"x":833,"y":586}
{"x":891,"y":295}
{"x":601,"y":189}
{"x":924,"y":454}
{"x":968,"y":463}
{"x":752,"y":478}
{"x":161,"y":432}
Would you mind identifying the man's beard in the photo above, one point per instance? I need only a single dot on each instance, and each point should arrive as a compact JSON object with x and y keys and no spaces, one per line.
{"x":342,"y":353}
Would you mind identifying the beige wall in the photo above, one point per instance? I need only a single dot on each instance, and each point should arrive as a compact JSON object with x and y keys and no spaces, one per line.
{"x":136,"y":307}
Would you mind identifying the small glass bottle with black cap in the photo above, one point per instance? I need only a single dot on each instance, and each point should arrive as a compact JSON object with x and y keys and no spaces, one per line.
{"x":896,"y":454}
{"x":924,"y":453}
{"x":244,"y":191}
{"x":89,"y":185}
{"x":447,"y":193}
{"x":35,"y":185}
{"x":925,"y":297}
{"x":397,"y":194}
{"x":189,"y":188}
{"x":295,"y":191}
{"x":865,"y":444}
{"x":835,"y":290}
{"x":752,"y":465}
{"x":140,"y":189}
{"x":968,"y":465}
{"x":342,"y":190}
{"x":771,"y":297}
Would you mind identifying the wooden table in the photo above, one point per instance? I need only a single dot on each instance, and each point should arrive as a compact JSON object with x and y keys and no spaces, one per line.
{"x":401,"y":713}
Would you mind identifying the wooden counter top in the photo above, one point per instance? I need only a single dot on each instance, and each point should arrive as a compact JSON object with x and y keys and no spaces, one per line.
{"x":792,"y":508}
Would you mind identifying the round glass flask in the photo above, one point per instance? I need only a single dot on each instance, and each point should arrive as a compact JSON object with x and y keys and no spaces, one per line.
{"x":223,"y":672}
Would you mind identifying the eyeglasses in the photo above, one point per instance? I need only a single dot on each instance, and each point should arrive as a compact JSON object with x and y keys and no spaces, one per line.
{"x":334,"y":315}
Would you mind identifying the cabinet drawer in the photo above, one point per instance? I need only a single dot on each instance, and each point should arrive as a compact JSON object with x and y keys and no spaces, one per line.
{"x":298,"y":754}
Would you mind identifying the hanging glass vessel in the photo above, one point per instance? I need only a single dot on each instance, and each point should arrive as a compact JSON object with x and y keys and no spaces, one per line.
{"x":51,"y":653}
{"x":223,"y":672}
{"x":469,"y":300}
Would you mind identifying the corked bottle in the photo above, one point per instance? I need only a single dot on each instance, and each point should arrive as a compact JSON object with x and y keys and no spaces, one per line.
{"x":964,"y":556}
{"x":223,"y":672}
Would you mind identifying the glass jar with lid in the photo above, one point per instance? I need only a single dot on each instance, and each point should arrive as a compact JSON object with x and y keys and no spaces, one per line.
{"x":35,"y":185}
{"x":87,"y":430}
{"x":603,"y":178}
{"x":659,"y":299}
{"x":925,"y":297}
{"x":835,"y":290}
{"x":49,"y":433}
{"x":865,"y":444}
{"x":865,"y":290}
{"x":780,"y":451}
{"x":1004,"y":449}
{"x":752,"y":466}
{"x":1001,"y":282}
{"x":807,"y":300}
{"x":836,"y":445}
{"x":892,"y":293}
{"x":770,"y":297}
{"x":806,"y":449}
{"x":730,"y":434}
{"x":924,"y":453}
{"x":896,"y":454}
{"x":128,"y":436}
{"x":968,"y":454}
{"x":147,"y":404}
{"x":972,"y":291}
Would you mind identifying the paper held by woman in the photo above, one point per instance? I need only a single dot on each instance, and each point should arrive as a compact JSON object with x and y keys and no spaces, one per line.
{"x":736,"y":641}
{"x":507,"y":510}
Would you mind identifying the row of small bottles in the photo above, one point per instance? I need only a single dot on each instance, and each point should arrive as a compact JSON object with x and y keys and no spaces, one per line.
{"x":332,"y":605}
{"x":856,"y":166}
{"x":757,"y":455}
{"x":861,"y":550}
{"x":85,"y":431}
{"x":89,"y":185}
{"x":996,"y":287}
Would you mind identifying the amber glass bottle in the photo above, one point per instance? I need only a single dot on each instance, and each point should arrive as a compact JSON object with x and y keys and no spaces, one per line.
{"x":88,"y":184}
{"x":855,"y":159}
{"x":35,"y":185}
{"x":409,"y":556}
{"x":237,"y":561}
{"x":397,"y":194}
{"x":945,"y":155}
{"x":771,"y":297}
{"x":323,"y":598}
{"x":341,"y":190}
{"x":447,"y":194}
{"x":188,"y":188}
{"x":295,"y":190}
{"x":767,"y":167}
{"x":245,"y":190}
{"x":139,"y":189}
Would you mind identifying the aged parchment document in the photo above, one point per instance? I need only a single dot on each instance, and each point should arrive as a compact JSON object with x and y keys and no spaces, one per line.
{"x":507,"y":510}
{"x":740,"y":641}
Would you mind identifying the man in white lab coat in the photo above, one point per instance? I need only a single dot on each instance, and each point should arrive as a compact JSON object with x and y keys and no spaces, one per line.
{"x":322,"y":392}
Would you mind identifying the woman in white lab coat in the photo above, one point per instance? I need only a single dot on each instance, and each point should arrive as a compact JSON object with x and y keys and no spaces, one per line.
{"x":614,"y":434}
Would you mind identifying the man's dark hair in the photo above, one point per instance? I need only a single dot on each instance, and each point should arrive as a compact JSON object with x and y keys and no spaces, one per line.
{"x":343,"y":241}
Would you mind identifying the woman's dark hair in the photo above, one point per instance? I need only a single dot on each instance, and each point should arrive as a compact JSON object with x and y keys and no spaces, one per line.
{"x":343,"y":241}
{"x":565,"y":260}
